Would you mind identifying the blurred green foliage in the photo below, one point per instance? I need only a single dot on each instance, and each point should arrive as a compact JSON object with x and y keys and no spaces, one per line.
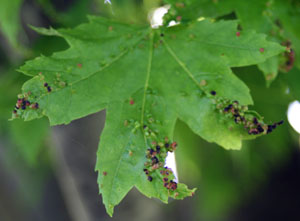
{"x":10,"y":20}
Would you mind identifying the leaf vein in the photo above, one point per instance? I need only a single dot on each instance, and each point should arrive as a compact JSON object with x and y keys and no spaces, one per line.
{"x":181,"y":64}
{"x":147,"y":77}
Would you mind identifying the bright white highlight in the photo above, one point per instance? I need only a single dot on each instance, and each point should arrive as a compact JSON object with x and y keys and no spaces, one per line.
{"x":294,"y":115}
{"x":107,"y":2}
{"x":156,"y":16}
{"x":171,"y":163}
{"x":172,"y":23}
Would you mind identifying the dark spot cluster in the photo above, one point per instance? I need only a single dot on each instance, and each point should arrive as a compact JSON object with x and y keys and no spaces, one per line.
{"x":156,"y":156}
{"x":46,"y":85}
{"x":23,"y":103}
{"x":158,"y":148}
{"x":273,"y":126}
{"x":169,"y":184}
{"x":240,"y":114}
{"x":58,"y":82}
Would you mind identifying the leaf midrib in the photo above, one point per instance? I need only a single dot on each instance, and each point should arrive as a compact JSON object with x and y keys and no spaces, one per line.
{"x":148,"y":73}
{"x":147,"y":77}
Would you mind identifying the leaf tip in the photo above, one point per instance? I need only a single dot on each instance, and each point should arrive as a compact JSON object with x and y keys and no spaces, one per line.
{"x":109,"y":209}
{"x":193,"y":191}
{"x":44,"y":31}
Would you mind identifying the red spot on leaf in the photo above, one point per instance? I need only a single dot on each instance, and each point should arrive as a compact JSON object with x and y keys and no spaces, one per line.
{"x":104,"y":173}
{"x":79,"y":65}
{"x":131,"y":102}
{"x":238,"y":34}
{"x":19,"y":102}
{"x":166,"y":139}
{"x":178,"y":18}
{"x":261,"y":50}
{"x":174,"y":145}
{"x":34,"y":106}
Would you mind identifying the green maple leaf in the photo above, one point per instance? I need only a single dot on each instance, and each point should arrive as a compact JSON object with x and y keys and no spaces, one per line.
{"x":146,"y":79}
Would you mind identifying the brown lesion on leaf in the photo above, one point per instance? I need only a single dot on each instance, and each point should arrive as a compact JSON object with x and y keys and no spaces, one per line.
{"x":126,"y":123}
{"x":179,"y":5}
{"x":173,"y":36}
{"x":203,"y":83}
{"x":192,"y":36}
{"x":176,"y":195}
{"x":42,"y":77}
{"x":270,"y":76}
{"x":288,"y":57}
